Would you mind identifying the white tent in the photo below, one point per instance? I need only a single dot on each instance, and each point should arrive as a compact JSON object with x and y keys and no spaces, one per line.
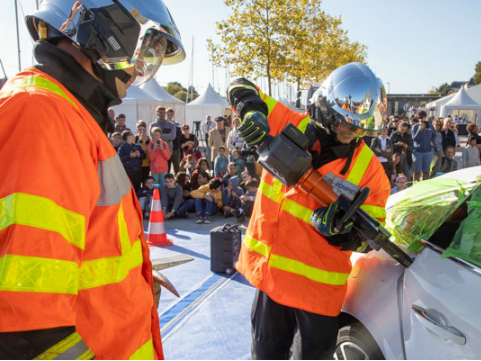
{"x":209,"y":103}
{"x":157,"y":92}
{"x":463,"y":105}
{"x":437,"y":105}
{"x":141,"y":102}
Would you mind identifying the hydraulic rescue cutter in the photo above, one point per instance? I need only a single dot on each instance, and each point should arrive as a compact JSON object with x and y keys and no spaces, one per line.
{"x":285,"y":157}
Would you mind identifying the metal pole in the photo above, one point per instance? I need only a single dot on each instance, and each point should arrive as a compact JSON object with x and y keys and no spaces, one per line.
{"x":18,"y":38}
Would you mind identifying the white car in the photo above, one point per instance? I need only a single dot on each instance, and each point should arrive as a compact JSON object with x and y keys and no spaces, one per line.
{"x":430,"y":310}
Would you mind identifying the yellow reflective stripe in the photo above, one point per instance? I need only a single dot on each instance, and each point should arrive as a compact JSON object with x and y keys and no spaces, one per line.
{"x":273,"y":192}
{"x":257,"y":246}
{"x":303,"y":124}
{"x":70,"y":348}
{"x":360,"y":165}
{"x":312,"y":273}
{"x":145,"y":352}
{"x":123,"y":232}
{"x":104,"y":271}
{"x":43,"y":213}
{"x":296,"y":267}
{"x":38,"y":82}
{"x":36,"y":274}
{"x":374,"y":211}
{"x":271,"y":103}
{"x":297,"y":210}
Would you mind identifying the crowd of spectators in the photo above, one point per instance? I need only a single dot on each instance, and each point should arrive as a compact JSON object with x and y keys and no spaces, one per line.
{"x":418,"y":148}
{"x":208,"y":180}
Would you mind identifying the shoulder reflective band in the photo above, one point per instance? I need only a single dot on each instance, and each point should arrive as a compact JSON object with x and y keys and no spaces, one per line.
{"x":43,"y":213}
{"x":114,"y":183}
{"x":36,"y":274}
{"x":294,"y":266}
{"x":303,"y":124}
{"x":360,"y":165}
{"x":36,"y":82}
{"x":70,"y":348}
{"x":145,"y":352}
{"x":273,"y":192}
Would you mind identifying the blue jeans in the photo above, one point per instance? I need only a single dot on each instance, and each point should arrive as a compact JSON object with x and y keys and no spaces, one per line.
{"x":183,"y":209}
{"x":422,"y":161}
{"x":159,"y":178}
{"x":203,"y":205}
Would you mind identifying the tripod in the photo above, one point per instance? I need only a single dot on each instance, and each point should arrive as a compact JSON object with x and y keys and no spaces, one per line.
{"x":197,"y":135}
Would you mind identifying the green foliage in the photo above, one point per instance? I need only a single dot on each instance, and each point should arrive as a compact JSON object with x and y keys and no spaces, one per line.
{"x":444,"y":89}
{"x":477,"y":74}
{"x":281,"y":39}
{"x":178,"y":91}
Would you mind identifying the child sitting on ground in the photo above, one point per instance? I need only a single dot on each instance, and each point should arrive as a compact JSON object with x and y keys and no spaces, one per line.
{"x":208,"y":200}
{"x":231,"y":199}
{"x":145,"y":195}
{"x":239,"y":162}
{"x":247,"y":200}
{"x":172,"y":198}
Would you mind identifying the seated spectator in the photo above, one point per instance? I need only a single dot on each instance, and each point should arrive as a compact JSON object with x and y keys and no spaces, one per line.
{"x":239,"y":162}
{"x":183,"y":180}
{"x":143,"y":139}
{"x":245,"y":177}
{"x":159,"y":156}
{"x":145,"y":195}
{"x":401,"y":182}
{"x":445,"y":164}
{"x":132,"y":156}
{"x":231,"y":199}
{"x":383,"y":149}
{"x":471,"y":156}
{"x":116,"y":139}
{"x":220,"y":163}
{"x":208,"y":200}
{"x":232,"y":174}
{"x":247,"y":200}
{"x":172,"y":197}
{"x":203,"y":178}
{"x":188,"y":165}
{"x":395,"y":168}
{"x":201,"y":166}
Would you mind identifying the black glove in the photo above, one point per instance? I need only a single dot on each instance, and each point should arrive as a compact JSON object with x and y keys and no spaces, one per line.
{"x":254,"y":127}
{"x":324,"y":219}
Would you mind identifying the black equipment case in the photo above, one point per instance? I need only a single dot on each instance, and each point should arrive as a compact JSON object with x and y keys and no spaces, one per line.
{"x":225,"y":243}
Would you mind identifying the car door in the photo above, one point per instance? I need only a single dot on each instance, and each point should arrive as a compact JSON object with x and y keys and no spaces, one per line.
{"x":441,"y":309}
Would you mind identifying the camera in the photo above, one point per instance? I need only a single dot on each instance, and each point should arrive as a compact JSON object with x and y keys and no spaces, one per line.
{"x":196,"y":125}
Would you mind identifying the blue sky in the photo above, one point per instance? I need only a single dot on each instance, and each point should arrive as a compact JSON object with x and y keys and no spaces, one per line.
{"x":412,"y":45}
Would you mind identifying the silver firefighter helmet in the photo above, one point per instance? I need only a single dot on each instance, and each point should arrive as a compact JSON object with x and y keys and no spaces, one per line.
{"x":118,"y":34}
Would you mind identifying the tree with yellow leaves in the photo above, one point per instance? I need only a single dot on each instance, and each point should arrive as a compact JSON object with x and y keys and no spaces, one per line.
{"x":280,"y":39}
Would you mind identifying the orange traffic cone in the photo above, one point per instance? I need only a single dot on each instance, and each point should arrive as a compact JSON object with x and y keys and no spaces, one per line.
{"x":156,"y":235}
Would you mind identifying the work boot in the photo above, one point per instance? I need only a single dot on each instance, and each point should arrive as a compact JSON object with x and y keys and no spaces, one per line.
{"x":199,"y":218}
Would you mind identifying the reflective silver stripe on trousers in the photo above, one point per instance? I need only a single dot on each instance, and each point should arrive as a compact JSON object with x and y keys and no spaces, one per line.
{"x":114,"y":183}
{"x":75,"y":352}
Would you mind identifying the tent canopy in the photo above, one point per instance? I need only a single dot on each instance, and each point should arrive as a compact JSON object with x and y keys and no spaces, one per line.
{"x":460,"y":102}
{"x":209,"y":103}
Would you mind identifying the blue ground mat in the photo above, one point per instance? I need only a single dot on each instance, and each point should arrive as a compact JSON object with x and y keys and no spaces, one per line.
{"x":211,"y":320}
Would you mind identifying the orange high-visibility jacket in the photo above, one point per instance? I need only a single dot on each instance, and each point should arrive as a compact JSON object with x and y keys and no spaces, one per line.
{"x":72,"y":246}
{"x":282,"y":253}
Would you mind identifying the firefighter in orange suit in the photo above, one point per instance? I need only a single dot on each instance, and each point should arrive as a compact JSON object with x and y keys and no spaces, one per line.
{"x":291,"y":252}
{"x":75,"y":274}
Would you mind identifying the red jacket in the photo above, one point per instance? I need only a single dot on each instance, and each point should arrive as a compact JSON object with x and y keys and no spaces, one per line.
{"x":159,"y":158}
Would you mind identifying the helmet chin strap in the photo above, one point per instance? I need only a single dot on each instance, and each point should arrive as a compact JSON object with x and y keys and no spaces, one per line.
{"x":109,"y":76}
